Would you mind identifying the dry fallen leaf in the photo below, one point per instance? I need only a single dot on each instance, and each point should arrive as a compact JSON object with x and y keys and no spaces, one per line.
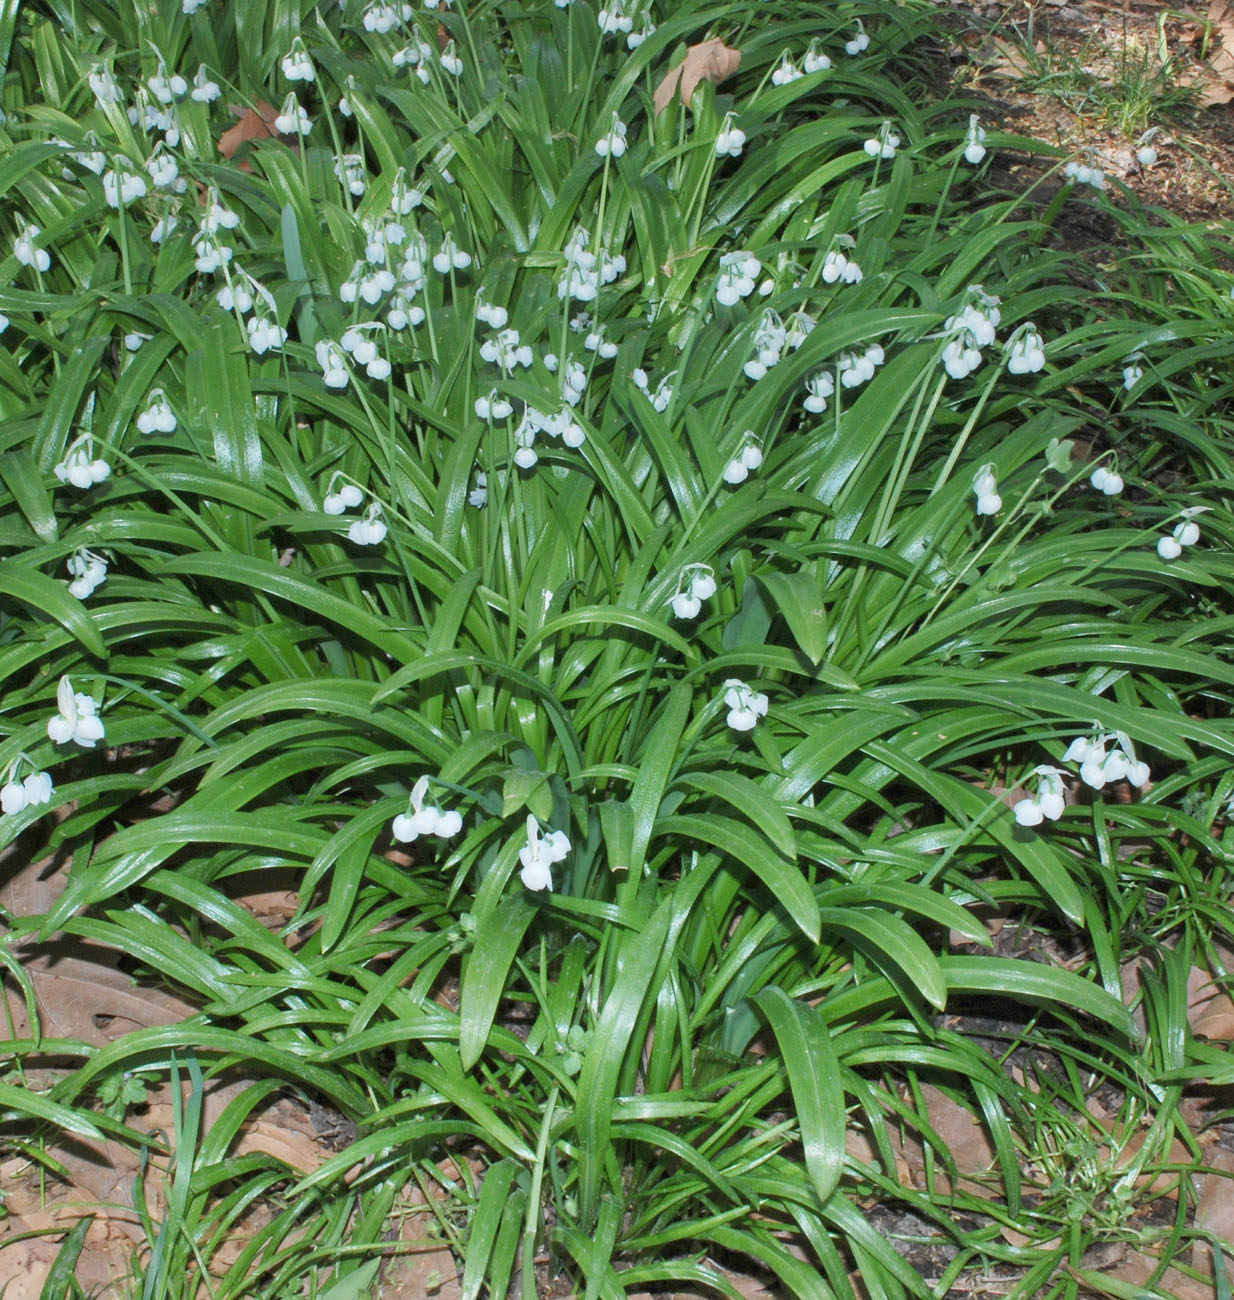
{"x":708,"y":61}
{"x":1216,"y":78}
{"x":255,"y":124}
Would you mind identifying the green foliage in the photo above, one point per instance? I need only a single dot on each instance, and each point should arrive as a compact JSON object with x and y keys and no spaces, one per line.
{"x":770,"y":894}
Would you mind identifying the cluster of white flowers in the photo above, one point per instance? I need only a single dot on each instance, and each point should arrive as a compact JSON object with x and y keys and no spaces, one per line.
{"x":488,"y":314}
{"x":748,"y":459}
{"x":697,"y":584}
{"x":360,"y":346}
{"x":164,"y":171}
{"x":974,"y":141}
{"x":1099,"y":766}
{"x":25,"y":251}
{"x":493,"y":406}
{"x":563,"y":425}
{"x":89,"y":572}
{"x":507,"y":350}
{"x":730,"y":140}
{"x":1085,"y":175}
{"x":857,"y":43}
{"x":613,"y":143}
{"x":212,"y":254}
{"x":661,"y":396}
{"x":294,"y":118}
{"x":123,"y":185}
{"x":838,"y":266}
{"x":786,"y":71}
{"x":296,"y":64}
{"x":1107,"y":480}
{"x":745,"y":706}
{"x":597,"y":341}
{"x":770,"y":340}
{"x":738,"y":276}
{"x":585,"y":272}
{"x":382,"y":18}
{"x":421,"y":819}
{"x":540,"y":854}
{"x":985,"y":488}
{"x":614,"y":20}
{"x":35,"y":790}
{"x":341,"y":497}
{"x":815,"y":60}
{"x":1049,"y":801}
{"x":370,"y":529}
{"x":858,"y":368}
{"x":478,"y":496}
{"x":205,"y":89}
{"x":158,"y":417}
{"x":80,"y":468}
{"x":1185,"y":534}
{"x":884,"y":144}
{"x":349,"y":171}
{"x":1025,"y":351}
{"x":819,"y":387}
{"x":969,"y":332}
{"x":450,"y":257}
{"x":77,"y":718}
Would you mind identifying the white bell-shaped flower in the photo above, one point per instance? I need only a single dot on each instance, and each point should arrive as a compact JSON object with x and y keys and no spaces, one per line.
{"x":745,"y":705}
{"x":371,"y":529}
{"x":77,"y":720}
{"x":538,"y":856}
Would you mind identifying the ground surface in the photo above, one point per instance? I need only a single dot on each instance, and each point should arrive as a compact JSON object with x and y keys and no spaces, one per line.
{"x":1092,"y":77}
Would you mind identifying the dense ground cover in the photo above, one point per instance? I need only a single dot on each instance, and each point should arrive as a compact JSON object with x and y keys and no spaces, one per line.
{"x":664,"y":580}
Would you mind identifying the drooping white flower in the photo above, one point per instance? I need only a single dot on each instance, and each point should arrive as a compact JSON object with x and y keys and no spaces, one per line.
{"x":1099,"y":766}
{"x":106,"y":91}
{"x":16,"y":795}
{"x":478,"y":496}
{"x":349,"y":171}
{"x":1146,"y":155}
{"x":296,"y":64}
{"x":985,"y":487}
{"x":731,"y":139}
{"x":421,"y":819}
{"x":974,"y":141}
{"x":26,"y":253}
{"x":158,"y":417}
{"x":80,"y":468}
{"x":381,"y":18}
{"x":614,"y":19}
{"x":77,"y":719}
{"x":819,"y":387}
{"x":540,"y":854}
{"x":857,"y":43}
{"x":685,"y":605}
{"x":450,"y":60}
{"x":858,"y":368}
{"x":333,"y":363}
{"x":166,"y":88}
{"x":749,"y":458}
{"x":1025,"y":351}
{"x":1085,"y":175}
{"x":883,"y":145}
{"x":205,"y":89}
{"x":340,"y":497}
{"x":815,"y":60}
{"x":1049,"y":801}
{"x":122,"y":186}
{"x":786,"y":71}
{"x":265,"y":334}
{"x":371,"y":529}
{"x":1106,"y":480}
{"x":738,"y":274}
{"x":646,"y":28}
{"x":745,"y":706}
{"x":613,"y":144}
{"x":293,"y":120}
{"x":450,"y":257}
{"x":89,"y":572}
{"x":493,"y":406}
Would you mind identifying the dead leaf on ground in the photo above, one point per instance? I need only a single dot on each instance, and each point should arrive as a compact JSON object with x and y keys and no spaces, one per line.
{"x":1216,"y":79}
{"x":708,"y":61}
{"x":256,"y":123}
